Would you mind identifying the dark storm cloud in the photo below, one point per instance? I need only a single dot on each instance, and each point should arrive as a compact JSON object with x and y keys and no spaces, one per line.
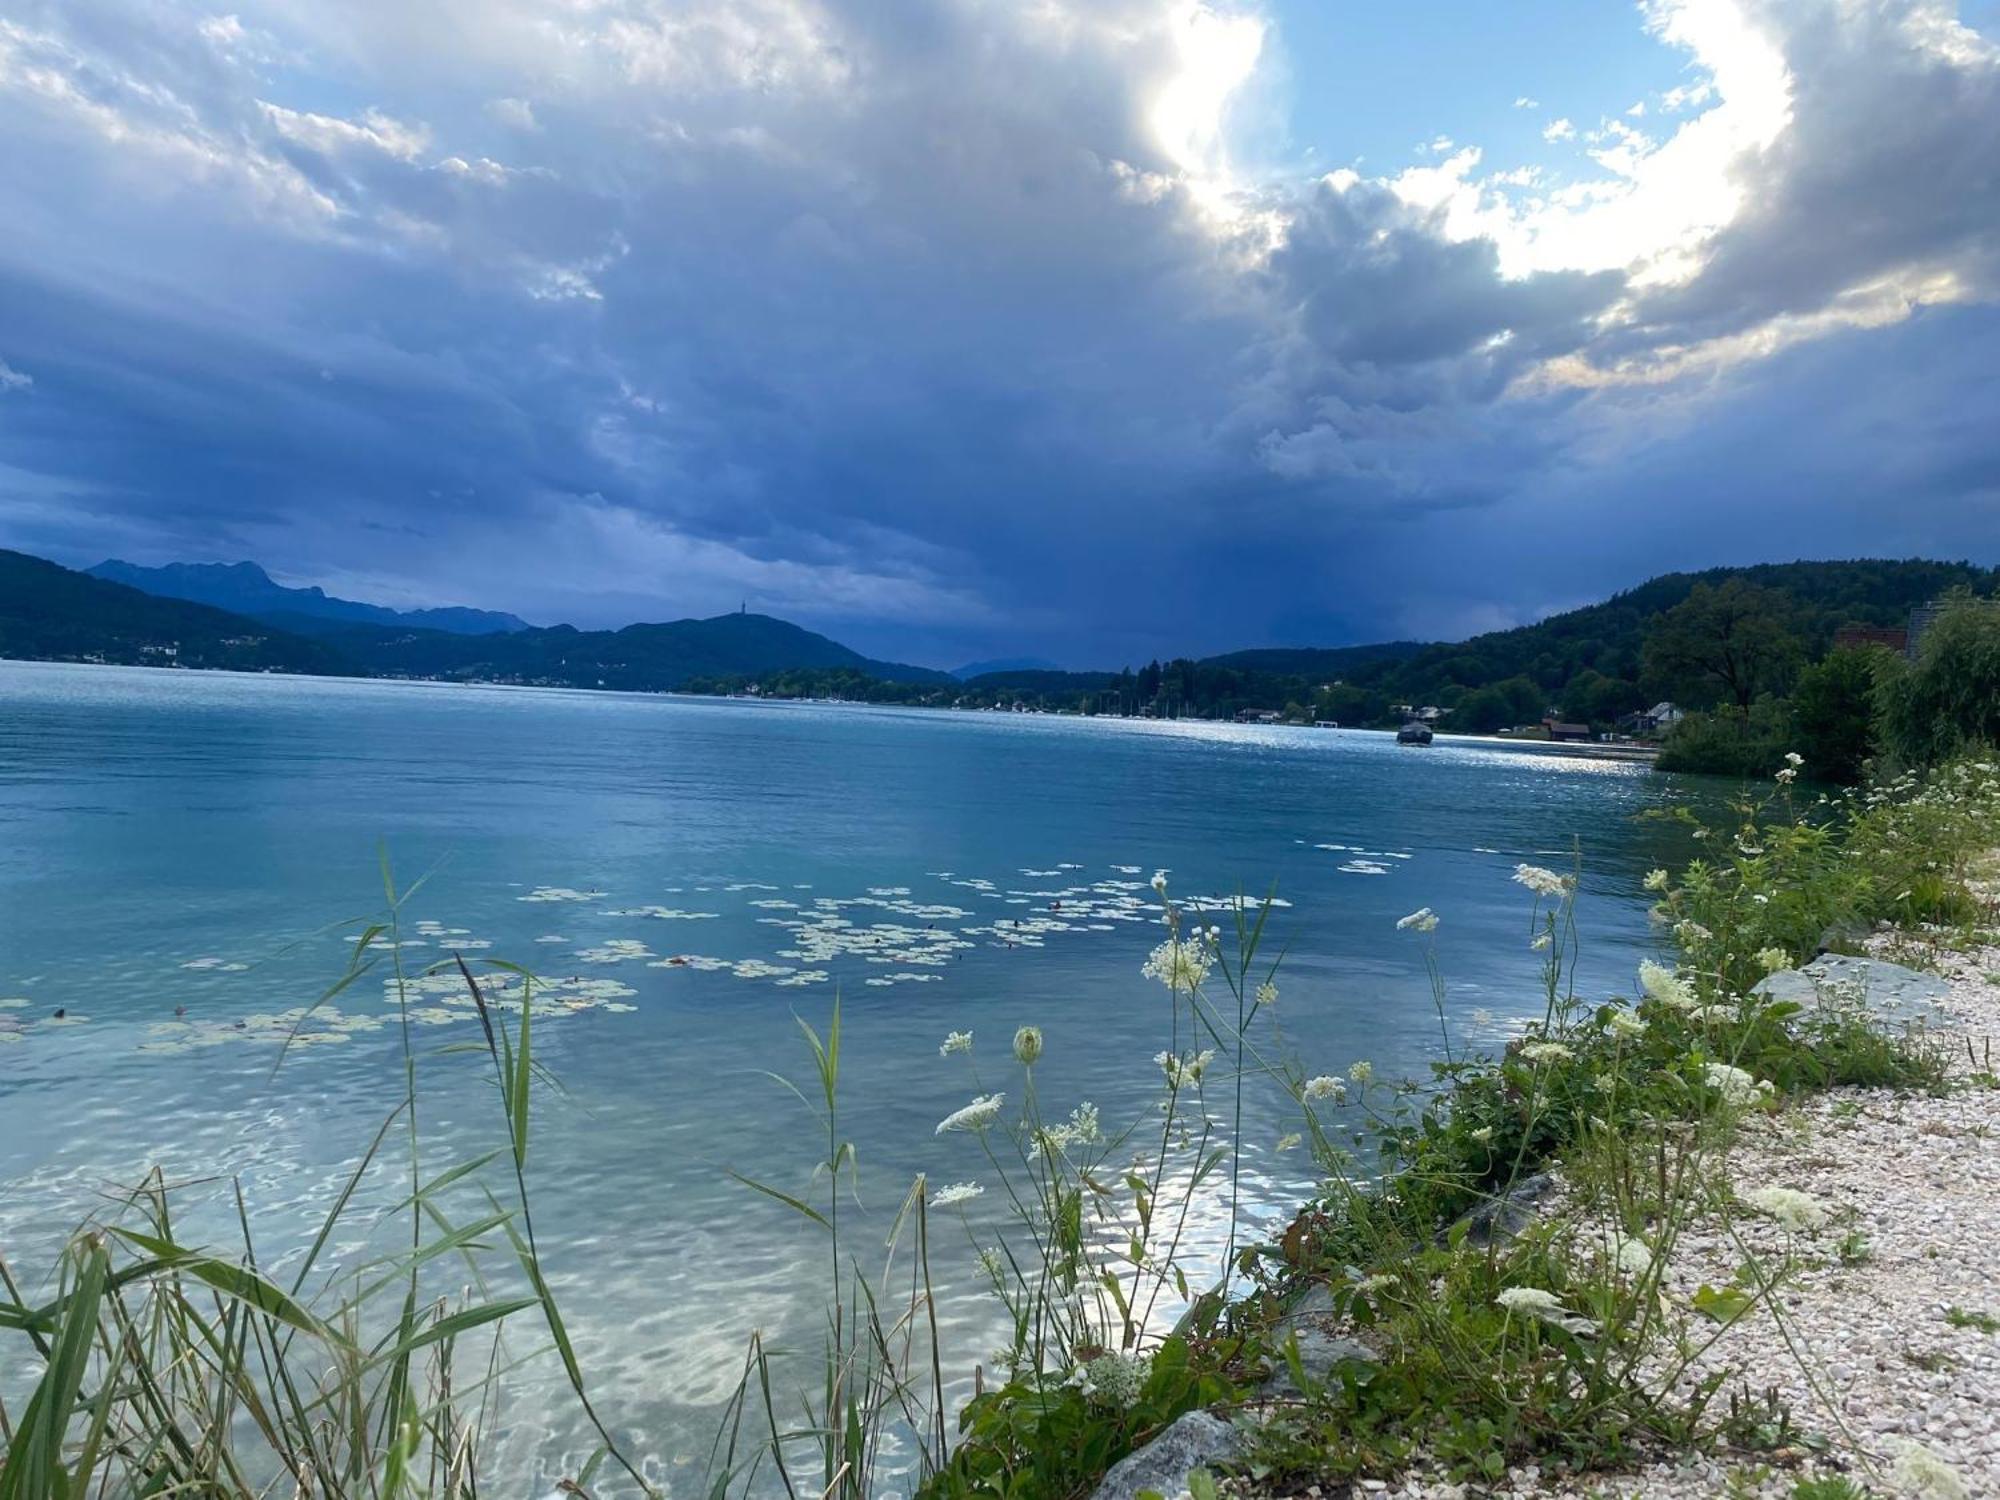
{"x":899,"y":320}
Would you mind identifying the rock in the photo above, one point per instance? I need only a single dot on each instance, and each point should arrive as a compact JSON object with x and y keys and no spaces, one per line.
{"x":1195,"y":1440}
{"x":1507,"y":1215}
{"x":1888,"y":991}
{"x":1320,"y":1349}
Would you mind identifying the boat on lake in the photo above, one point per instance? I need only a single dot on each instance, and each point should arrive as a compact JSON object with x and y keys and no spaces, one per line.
{"x":1414,"y":733}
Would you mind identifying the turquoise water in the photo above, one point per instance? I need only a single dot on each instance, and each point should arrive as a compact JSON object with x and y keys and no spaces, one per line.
{"x":176,"y":841}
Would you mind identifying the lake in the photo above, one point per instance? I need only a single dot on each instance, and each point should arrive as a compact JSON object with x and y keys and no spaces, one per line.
{"x":689,"y":875}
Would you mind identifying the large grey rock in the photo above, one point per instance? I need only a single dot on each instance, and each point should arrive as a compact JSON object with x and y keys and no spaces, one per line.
{"x":1321,"y":1350}
{"x":1502,"y":1217}
{"x":1195,"y":1441}
{"x":1886,"y":991}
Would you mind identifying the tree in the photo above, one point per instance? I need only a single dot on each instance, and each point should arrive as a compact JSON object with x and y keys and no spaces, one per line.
{"x":1731,"y":640}
{"x":1948,"y":700}
{"x":1833,"y":714}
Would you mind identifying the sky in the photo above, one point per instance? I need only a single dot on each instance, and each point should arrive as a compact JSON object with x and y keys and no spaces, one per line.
{"x":1091,"y":330}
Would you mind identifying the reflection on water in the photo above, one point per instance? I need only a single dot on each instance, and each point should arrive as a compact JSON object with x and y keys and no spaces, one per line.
{"x":184,"y":860}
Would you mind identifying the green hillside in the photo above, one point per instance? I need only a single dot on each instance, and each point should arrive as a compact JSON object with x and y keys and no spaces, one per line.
{"x":644,"y":658}
{"x":50,"y":613}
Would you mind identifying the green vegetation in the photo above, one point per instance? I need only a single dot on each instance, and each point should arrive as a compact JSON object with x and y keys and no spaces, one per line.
{"x":1494,"y":1333}
{"x":1853,"y":706}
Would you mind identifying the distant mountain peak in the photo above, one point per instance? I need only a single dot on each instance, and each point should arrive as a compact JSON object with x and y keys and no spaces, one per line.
{"x":245,"y":588}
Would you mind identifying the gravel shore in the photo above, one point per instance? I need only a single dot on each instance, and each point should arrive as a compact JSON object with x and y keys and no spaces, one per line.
{"x":1886,"y":1341}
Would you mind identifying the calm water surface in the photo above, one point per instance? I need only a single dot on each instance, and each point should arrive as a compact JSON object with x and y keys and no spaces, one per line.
{"x":690,"y":875}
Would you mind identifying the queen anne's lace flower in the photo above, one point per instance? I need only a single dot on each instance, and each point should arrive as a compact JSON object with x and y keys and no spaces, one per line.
{"x":957,"y":1192}
{"x":1543,"y":882}
{"x":1112,"y":1380}
{"x":1423,"y":919}
{"x":1770,"y":960}
{"x":1656,"y":880}
{"x":1028,"y":1044}
{"x":1326,"y":1086}
{"x":1361,"y":1072}
{"x":1267,"y":993}
{"x":1623,"y":1023}
{"x":957,"y":1041}
{"x":1179,"y":966}
{"x":1533,"y":1302}
{"x":1186,"y":1068}
{"x":1546,"y":1052}
{"x":1664,"y":987}
{"x":977,"y":1115}
{"x":1793,"y":1209}
{"x":1921,"y":1473}
{"x":1735,"y":1085}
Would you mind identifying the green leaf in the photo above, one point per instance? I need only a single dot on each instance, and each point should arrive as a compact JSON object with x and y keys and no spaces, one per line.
{"x":1724,"y":1306}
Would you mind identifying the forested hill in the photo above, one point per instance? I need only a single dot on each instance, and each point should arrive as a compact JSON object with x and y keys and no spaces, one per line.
{"x":646,"y":658}
{"x":1592,"y":660}
{"x":49,"y":612}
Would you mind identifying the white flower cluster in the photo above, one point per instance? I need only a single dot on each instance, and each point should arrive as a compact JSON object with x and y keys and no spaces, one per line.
{"x":957,"y":1192}
{"x":977,"y":1115}
{"x":1540,"y":1052}
{"x":1324,"y":1087}
{"x":1267,"y":993}
{"x":1362,"y":1072}
{"x":1656,"y":880}
{"x":1080,"y":1129}
{"x":1186,"y":1068}
{"x":1423,"y":919}
{"x":1622,"y":1023}
{"x":1736,"y":1086}
{"x":1533,"y":1302}
{"x":1793,"y":760}
{"x":1793,"y":1209}
{"x":1543,"y":882}
{"x":956,"y":1041}
{"x":1770,"y":960}
{"x":1664,"y":987}
{"x":1180,"y":966}
{"x":1112,"y":1380}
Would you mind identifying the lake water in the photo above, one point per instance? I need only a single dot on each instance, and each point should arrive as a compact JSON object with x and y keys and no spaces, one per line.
{"x":690,"y":875}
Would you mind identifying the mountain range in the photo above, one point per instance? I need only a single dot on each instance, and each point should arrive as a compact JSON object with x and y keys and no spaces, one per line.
{"x":244,"y":588}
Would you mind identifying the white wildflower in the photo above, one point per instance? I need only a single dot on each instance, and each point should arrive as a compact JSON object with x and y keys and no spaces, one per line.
{"x":1378,"y":1282}
{"x":1179,"y":966}
{"x":1326,"y":1086}
{"x":1919,"y":1472}
{"x":1624,"y":1024}
{"x":1542,"y":882}
{"x":1083,"y":1123}
{"x":1631,"y":1255}
{"x":1423,"y":919}
{"x":977,"y":1115}
{"x":1715,"y":1013}
{"x":1482,"y":1135}
{"x":1691,"y":932}
{"x":1770,"y":960}
{"x":1186,"y":1068}
{"x":1112,"y":1380}
{"x":1787,"y":776}
{"x":1793,"y":1209}
{"x":1546,"y":1052}
{"x":1028,"y":1045}
{"x":1482,"y":1017}
{"x":957,"y":1041}
{"x":1794,"y":759}
{"x":1735,"y":1085}
{"x":1535,"y":1303}
{"x":1664,"y":987}
{"x":1656,"y":880}
{"x":1160,"y":882}
{"x":957,"y":1192}
{"x":1539,"y":941}
{"x":992,"y":1263}
{"x":1267,"y":993}
{"x":1361,"y":1072}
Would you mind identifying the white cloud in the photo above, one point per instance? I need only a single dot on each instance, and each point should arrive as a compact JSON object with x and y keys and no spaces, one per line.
{"x":1559,"y":130}
{"x":517,"y":114}
{"x":12,"y":379}
{"x":1524,"y":102}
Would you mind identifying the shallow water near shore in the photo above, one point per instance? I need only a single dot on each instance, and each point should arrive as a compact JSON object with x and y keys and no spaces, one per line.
{"x":688,"y":875}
